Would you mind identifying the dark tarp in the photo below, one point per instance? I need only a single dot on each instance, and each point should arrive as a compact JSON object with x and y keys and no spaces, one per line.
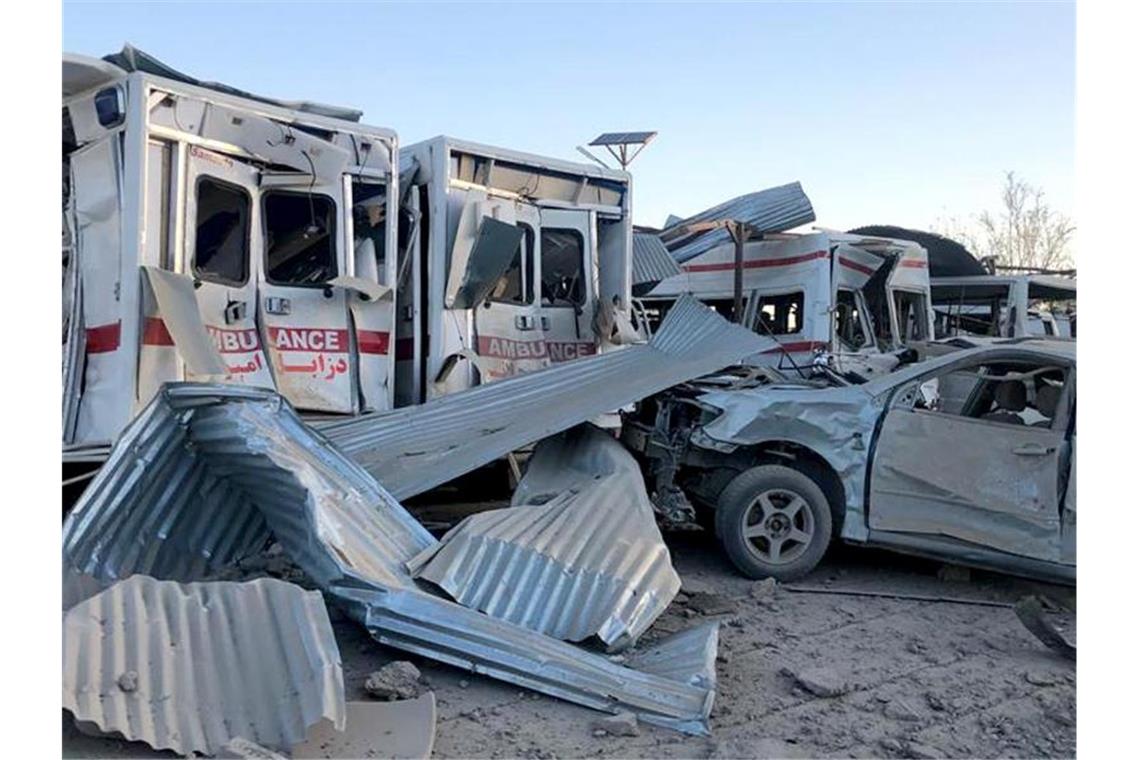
{"x":948,"y":258}
{"x":131,"y":58}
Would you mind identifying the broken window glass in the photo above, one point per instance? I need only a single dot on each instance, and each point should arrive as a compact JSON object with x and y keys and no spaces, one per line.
{"x":780,"y":314}
{"x":221,"y":237}
{"x":849,"y":320}
{"x":515,"y":284}
{"x":563,"y":268}
{"x":369,"y":227}
{"x":300,"y":240}
{"x":911,"y":311}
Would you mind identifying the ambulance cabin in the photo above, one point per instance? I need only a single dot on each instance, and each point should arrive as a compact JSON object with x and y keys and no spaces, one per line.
{"x":852,"y":301}
{"x":214,"y":235}
{"x":515,"y":262}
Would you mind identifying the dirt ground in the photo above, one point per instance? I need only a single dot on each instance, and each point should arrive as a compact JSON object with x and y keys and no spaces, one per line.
{"x":923,"y":679}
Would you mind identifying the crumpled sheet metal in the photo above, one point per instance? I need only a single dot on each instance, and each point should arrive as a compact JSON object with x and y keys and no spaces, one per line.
{"x":688,"y":656}
{"x":773,"y":210}
{"x":211,"y":662}
{"x":253,"y":454}
{"x":206,"y":474}
{"x":442,"y":630}
{"x":414,"y":449}
{"x":585,"y":558}
{"x":564,"y":461}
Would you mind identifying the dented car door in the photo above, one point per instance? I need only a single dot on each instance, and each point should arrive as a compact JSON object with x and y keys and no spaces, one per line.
{"x":987,"y":482}
{"x":221,"y":232}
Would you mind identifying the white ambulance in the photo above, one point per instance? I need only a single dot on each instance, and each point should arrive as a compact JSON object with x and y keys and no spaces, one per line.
{"x":213,"y":234}
{"x":514,"y":262}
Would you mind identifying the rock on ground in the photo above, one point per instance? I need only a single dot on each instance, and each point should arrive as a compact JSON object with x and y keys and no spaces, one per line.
{"x":622,"y":724}
{"x":822,"y":682}
{"x":396,"y":680}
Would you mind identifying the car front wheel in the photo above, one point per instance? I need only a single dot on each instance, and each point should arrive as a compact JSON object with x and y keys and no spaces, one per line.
{"x":773,"y":521}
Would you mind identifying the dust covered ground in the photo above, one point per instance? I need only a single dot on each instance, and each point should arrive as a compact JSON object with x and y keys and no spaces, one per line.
{"x":922,"y":679}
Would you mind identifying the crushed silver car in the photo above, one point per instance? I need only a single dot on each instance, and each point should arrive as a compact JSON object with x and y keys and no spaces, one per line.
{"x":968,"y":457}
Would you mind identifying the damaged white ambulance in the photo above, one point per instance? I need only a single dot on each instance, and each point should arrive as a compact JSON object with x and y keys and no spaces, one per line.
{"x":214,"y":234}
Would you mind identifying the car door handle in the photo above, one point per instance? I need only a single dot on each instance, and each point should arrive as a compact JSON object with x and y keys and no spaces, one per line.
{"x":1033,"y":450}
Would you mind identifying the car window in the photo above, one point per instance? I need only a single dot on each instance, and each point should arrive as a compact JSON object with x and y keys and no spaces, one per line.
{"x":1008,"y":393}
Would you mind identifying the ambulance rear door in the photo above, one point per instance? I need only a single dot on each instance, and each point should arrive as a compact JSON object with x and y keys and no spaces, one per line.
{"x":222,"y":229}
{"x":304,"y":317}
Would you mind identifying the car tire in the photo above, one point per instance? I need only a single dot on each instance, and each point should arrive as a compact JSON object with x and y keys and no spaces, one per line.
{"x":773,"y":522}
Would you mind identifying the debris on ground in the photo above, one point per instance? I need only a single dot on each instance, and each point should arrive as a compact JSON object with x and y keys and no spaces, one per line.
{"x":763,"y":591}
{"x":1032,"y":615}
{"x":396,"y":680}
{"x":227,"y":445}
{"x":711,"y":603}
{"x":240,"y":748}
{"x":622,"y":724}
{"x":822,"y":681}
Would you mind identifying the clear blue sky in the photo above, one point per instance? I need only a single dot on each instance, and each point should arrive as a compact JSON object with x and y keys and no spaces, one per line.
{"x":887,"y":113}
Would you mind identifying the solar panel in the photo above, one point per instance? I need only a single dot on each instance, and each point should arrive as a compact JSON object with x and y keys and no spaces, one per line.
{"x":623,"y":138}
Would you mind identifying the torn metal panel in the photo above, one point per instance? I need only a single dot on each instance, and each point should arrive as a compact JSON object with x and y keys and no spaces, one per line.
{"x":209,"y":473}
{"x":496,"y":243}
{"x":414,"y":449}
{"x":776,"y":209}
{"x":652,"y":262}
{"x":403,"y":729}
{"x":178,"y":310}
{"x":687,"y":656}
{"x":190,"y":667}
{"x":432,"y":627}
{"x":589,"y":562}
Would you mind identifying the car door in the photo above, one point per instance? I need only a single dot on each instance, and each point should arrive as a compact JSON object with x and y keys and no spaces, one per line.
{"x":986,"y":482}
{"x":222,"y":230}
{"x":304,"y":317}
{"x":567,"y":282}
{"x":509,"y":338}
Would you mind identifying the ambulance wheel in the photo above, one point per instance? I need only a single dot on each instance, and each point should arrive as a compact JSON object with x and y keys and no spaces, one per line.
{"x":773,"y":522}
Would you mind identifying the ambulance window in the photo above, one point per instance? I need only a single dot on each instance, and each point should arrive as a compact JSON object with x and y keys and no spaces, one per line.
{"x":221,"y":237}
{"x":515,"y":284}
{"x":911,"y":311}
{"x":563,"y":268}
{"x":849,"y":320}
{"x":779,"y":314}
{"x":300,"y":238}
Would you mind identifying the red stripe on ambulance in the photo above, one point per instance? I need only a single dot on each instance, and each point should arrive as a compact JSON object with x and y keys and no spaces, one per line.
{"x":372,"y":342}
{"x":104,"y":338}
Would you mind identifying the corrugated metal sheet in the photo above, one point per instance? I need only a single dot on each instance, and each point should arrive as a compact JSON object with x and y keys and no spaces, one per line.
{"x":160,"y":505}
{"x":442,"y":630}
{"x":414,"y":449}
{"x":213,"y":661}
{"x":206,"y":474}
{"x":773,"y":210}
{"x":589,"y":561}
{"x":652,"y":261}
